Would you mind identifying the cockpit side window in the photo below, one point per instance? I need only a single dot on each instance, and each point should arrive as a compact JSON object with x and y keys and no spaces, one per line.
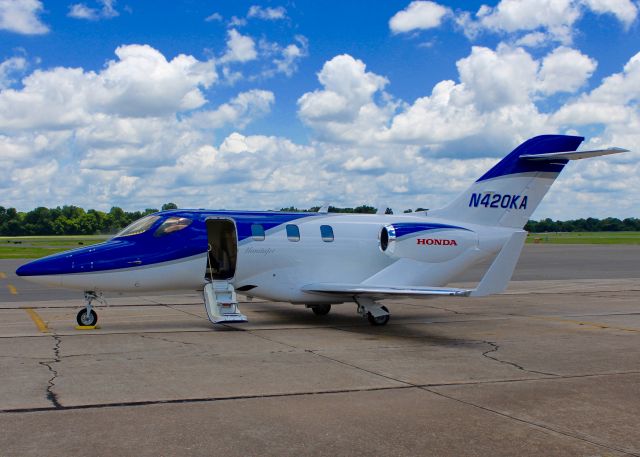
{"x":171,"y":225}
{"x":138,"y":227}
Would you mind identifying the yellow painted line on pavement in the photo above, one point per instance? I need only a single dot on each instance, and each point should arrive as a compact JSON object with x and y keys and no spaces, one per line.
{"x":12,"y":289}
{"x":3,"y":275}
{"x":42,"y":326}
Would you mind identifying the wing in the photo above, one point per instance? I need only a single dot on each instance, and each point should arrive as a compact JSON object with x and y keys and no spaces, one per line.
{"x":494,"y":281}
{"x":380,"y":292}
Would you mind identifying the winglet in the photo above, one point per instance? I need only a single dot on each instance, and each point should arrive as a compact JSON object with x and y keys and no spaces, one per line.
{"x":499,"y":273}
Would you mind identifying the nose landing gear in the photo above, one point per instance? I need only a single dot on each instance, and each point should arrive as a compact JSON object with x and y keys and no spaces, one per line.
{"x":87,"y":317}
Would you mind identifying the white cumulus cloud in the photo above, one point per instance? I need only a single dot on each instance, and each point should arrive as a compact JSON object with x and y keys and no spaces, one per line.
{"x":268,"y":13}
{"x":541,"y":20}
{"x":22,"y":16}
{"x":214,"y":17}
{"x":9,"y":68}
{"x":494,"y":99}
{"x":140,"y":83}
{"x":613,"y":103}
{"x":419,"y":15}
{"x":240,"y":48}
{"x":565,"y":70}
{"x":625,"y":10}
{"x":239,"y":111}
{"x":347,"y":88}
{"x":82,"y":11}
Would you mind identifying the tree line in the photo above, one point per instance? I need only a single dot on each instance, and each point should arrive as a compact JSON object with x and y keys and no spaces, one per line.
{"x":72,"y":220}
{"x":69,"y":220}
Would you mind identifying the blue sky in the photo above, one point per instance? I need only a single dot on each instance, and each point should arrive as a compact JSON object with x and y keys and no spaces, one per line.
{"x":262,"y":105}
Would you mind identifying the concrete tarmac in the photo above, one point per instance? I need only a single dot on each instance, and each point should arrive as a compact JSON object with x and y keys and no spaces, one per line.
{"x":551,"y":367}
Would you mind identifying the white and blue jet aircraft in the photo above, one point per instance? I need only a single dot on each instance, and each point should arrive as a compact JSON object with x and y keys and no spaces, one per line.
{"x":321,"y":259}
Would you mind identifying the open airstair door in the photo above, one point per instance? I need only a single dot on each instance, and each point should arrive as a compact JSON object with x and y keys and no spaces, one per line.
{"x":223,"y":249}
{"x":219,"y":295}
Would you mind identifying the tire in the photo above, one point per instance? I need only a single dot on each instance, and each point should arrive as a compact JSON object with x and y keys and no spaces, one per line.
{"x":83,"y":320}
{"x":377,"y":321}
{"x":321,"y":310}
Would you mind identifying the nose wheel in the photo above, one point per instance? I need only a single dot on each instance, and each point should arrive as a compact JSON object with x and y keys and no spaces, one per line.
{"x":87,"y":317}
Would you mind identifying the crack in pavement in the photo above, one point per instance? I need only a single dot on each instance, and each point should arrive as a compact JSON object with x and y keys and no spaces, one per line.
{"x":495,"y":347}
{"x":50,"y":394}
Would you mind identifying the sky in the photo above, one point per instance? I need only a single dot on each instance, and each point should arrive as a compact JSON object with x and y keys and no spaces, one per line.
{"x":263,"y":105}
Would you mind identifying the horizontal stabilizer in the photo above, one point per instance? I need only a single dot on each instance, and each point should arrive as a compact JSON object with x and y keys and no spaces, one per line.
{"x":379,"y":292}
{"x":573,"y":155}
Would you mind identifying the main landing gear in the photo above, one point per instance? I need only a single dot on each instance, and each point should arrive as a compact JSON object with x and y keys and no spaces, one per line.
{"x":87,"y":317}
{"x":375,"y":313}
{"x":320,"y":310}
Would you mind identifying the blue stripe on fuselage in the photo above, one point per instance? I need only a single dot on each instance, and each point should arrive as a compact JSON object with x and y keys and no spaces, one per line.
{"x":409,"y":228}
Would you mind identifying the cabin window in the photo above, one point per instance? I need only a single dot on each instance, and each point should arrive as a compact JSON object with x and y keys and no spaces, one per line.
{"x":257,"y":232}
{"x":293,"y":232}
{"x":138,"y":227}
{"x":172,"y":224}
{"x":326,"y":232}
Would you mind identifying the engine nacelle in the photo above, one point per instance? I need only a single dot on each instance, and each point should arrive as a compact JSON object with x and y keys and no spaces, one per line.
{"x":426,"y":242}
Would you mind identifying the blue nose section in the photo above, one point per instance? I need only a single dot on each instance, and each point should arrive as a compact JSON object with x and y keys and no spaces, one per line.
{"x":50,"y":265}
{"x":109,"y":255}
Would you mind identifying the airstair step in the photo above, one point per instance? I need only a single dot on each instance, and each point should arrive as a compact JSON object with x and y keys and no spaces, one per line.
{"x":221,"y":303}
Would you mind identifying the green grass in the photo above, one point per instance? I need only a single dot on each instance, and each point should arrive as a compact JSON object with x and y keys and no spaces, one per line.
{"x":585,"y":238}
{"x":34,"y":247}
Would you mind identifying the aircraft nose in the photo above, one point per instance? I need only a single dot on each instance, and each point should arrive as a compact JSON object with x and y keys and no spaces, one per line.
{"x":51,"y":265}
{"x":25,"y":270}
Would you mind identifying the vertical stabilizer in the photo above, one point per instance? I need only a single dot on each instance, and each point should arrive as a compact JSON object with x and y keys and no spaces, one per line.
{"x":508,"y":193}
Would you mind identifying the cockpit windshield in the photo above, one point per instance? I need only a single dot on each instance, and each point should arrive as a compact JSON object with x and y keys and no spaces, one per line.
{"x":138,"y":227}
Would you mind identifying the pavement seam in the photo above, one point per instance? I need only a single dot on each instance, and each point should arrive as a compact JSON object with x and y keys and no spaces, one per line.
{"x":531,"y":423}
{"x":185,"y":312}
{"x":197,"y":400}
{"x":546,"y":378}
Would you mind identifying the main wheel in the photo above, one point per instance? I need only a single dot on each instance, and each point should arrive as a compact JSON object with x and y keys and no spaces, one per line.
{"x":321,"y":310}
{"x":380,"y":320}
{"x":85,"y":319}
